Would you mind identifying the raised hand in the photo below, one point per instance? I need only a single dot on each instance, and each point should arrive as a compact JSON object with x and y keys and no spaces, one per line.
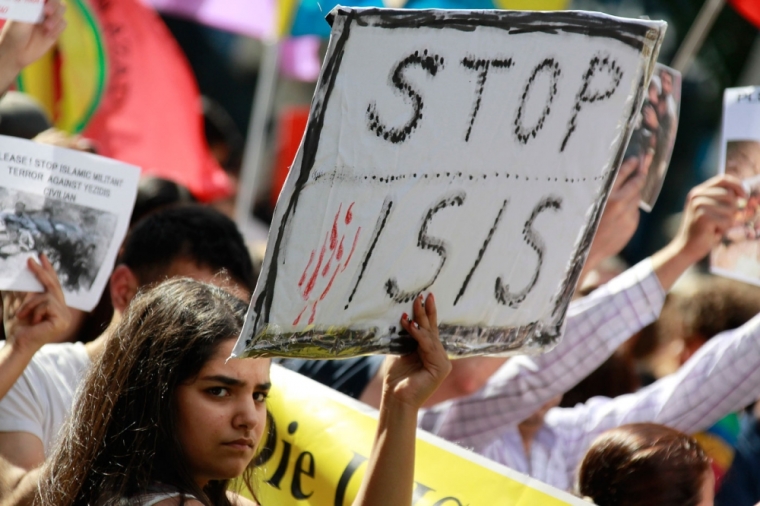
{"x":412,"y":378}
{"x":32,"y":320}
{"x":23,"y":43}
{"x":709,"y":213}
{"x":409,"y":381}
{"x":621,"y":215}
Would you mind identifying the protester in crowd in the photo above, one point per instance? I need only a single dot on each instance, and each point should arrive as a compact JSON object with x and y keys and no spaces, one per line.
{"x":154,"y":193}
{"x":22,"y":116}
{"x":708,"y":306}
{"x":722,"y":377}
{"x":164,"y":414}
{"x":549,"y":444}
{"x":643,"y":464}
{"x":189,"y":241}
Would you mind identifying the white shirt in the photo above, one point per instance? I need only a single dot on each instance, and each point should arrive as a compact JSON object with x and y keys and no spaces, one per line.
{"x":596,"y":326}
{"x":722,"y":377}
{"x":41,"y":399}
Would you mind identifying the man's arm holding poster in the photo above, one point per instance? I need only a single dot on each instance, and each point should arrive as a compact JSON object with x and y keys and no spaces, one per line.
{"x":596,"y":326}
{"x":23,"y":43}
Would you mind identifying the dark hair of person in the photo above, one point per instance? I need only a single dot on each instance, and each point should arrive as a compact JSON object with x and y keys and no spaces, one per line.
{"x":191,"y":232}
{"x":616,"y":376}
{"x":716,"y":305}
{"x":643,"y":464}
{"x":154,"y":193}
{"x":222,"y":132}
{"x":123,"y":438}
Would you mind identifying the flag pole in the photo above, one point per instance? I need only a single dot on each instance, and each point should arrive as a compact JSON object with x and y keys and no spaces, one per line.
{"x":253,"y":155}
{"x":697,"y":34}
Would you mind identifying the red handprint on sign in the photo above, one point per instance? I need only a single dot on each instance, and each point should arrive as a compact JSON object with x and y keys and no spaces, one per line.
{"x":325,"y":272}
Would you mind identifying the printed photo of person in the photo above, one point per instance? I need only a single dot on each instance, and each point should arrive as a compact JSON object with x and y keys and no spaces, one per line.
{"x":75,"y":238}
{"x":738,"y":255}
{"x":658,"y":126}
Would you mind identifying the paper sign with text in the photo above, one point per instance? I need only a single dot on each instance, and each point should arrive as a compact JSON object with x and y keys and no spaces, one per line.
{"x":29,"y":11}
{"x":73,"y":206}
{"x":738,"y":254}
{"x":320,"y":460}
{"x":464,"y":153}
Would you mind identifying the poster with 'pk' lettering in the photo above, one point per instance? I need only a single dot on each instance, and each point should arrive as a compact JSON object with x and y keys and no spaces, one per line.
{"x":464,"y":153}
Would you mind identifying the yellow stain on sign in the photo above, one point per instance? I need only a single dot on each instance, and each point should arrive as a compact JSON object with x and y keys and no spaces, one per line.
{"x":532,"y":5}
{"x":323,"y":441}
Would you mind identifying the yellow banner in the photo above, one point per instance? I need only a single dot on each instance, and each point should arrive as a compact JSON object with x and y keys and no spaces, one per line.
{"x":323,"y":441}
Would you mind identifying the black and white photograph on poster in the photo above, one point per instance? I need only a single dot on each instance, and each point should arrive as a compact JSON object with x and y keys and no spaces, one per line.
{"x":72,"y":206}
{"x":472,"y":160}
{"x":651,"y":144}
{"x":74,"y":238}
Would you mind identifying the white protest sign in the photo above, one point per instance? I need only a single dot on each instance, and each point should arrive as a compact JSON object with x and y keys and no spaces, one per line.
{"x":29,"y":11}
{"x":738,"y":254}
{"x":464,"y":153}
{"x":72,"y":206}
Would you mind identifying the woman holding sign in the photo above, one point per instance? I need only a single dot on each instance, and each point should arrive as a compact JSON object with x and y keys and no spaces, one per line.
{"x":165,"y":418}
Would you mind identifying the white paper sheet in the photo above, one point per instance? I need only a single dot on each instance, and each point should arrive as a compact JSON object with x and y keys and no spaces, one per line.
{"x":29,"y":11}
{"x":73,"y":206}
{"x":738,"y":255}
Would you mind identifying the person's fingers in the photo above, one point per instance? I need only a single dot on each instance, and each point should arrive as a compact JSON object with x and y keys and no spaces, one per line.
{"x":728,"y":182}
{"x":11,"y":303}
{"x":626,"y":169}
{"x":715,"y":200}
{"x":718,"y":218}
{"x":46,"y":275}
{"x":418,"y":312}
{"x":419,"y":334}
{"x":50,"y":7}
{"x":39,"y":313}
{"x":53,"y":19}
{"x":58,"y":29}
{"x":34,"y":301}
{"x":432,"y":313}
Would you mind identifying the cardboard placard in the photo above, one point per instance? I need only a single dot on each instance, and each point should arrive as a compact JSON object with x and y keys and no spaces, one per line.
{"x":29,"y":11}
{"x":464,"y":153}
{"x":738,"y":254}
{"x":72,"y":206}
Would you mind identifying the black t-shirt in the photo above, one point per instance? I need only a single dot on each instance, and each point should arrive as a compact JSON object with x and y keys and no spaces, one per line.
{"x":349,"y":376}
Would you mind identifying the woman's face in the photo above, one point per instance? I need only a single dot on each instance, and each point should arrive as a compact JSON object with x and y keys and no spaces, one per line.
{"x":222,"y":414}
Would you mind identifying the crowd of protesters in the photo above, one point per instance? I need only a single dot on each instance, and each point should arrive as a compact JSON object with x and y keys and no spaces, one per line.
{"x":648,"y":398}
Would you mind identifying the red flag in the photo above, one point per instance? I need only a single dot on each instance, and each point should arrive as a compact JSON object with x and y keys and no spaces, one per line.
{"x":125,"y":83}
{"x":750,"y":9}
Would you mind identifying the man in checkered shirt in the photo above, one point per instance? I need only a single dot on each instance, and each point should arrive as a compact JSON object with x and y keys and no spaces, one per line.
{"x":513,"y":418}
